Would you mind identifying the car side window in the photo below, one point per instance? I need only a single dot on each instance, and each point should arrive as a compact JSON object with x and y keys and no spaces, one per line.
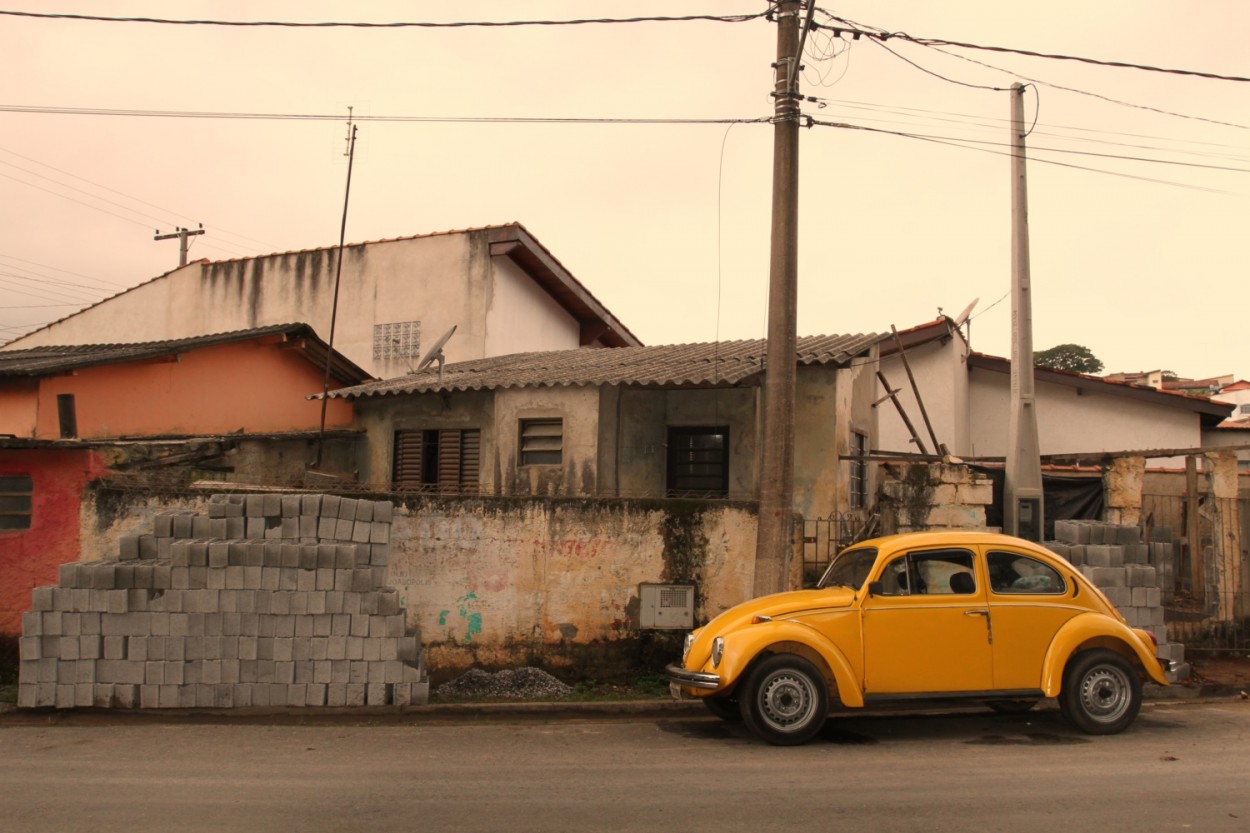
{"x":929,"y":573}
{"x":1014,"y":573}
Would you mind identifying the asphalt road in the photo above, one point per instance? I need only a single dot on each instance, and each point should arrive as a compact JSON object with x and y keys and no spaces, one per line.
{"x":1182,"y":766}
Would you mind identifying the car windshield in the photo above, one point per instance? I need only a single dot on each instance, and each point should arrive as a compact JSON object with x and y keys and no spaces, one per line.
{"x":850,"y":569}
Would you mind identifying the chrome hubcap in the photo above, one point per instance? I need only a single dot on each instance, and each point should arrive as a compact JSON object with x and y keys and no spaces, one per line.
{"x":787,"y":700}
{"x":1105,"y":693}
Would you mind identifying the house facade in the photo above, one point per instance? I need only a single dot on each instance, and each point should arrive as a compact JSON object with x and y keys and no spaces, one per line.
{"x":500,"y":289}
{"x":231,"y":406}
{"x":966,"y":396}
{"x":545,"y":490}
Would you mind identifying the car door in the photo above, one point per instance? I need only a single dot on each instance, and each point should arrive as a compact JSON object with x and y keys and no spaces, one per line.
{"x":925,"y":626}
{"x":1029,"y":601}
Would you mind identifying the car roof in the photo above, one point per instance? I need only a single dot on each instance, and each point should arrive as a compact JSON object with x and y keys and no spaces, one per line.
{"x":951,"y":537}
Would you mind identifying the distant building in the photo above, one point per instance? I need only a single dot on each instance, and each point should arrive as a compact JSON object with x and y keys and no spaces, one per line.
{"x":498,"y":286}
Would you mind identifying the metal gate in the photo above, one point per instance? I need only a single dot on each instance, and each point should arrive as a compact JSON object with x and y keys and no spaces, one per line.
{"x":823,"y":538}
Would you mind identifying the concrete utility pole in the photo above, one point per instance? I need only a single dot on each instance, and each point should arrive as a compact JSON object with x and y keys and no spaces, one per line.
{"x":182,"y":235}
{"x":773,"y":540}
{"x":1022,"y":487}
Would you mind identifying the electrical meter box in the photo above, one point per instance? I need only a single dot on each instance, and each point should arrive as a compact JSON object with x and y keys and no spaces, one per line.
{"x":666,"y":606}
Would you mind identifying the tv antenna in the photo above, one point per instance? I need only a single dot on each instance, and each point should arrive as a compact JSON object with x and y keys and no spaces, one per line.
{"x":435,"y":353}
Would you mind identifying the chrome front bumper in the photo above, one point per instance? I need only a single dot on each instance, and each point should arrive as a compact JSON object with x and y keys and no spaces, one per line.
{"x":692,"y":679}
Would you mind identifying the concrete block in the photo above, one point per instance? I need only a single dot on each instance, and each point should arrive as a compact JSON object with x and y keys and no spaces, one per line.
{"x":182,"y":525}
{"x":254,"y":506}
{"x":325,"y":579}
{"x":1105,"y":577}
{"x":355,"y":694}
{"x":310,"y":505}
{"x":383,"y":511}
{"x":272,"y":506}
{"x":343,"y":530}
{"x":378,"y":694}
{"x":326,"y":528}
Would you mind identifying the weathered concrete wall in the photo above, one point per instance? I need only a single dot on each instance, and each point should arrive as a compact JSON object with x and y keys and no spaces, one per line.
{"x":578,"y":409}
{"x":505,"y":583}
{"x":918,"y":497}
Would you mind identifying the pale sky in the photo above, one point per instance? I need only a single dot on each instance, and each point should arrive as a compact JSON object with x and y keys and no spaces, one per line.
{"x":1141,"y":259}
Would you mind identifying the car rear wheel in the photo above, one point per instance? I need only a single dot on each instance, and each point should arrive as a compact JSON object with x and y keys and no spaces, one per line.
{"x":785,"y":701}
{"x":1101,"y":692}
{"x":726,"y":708}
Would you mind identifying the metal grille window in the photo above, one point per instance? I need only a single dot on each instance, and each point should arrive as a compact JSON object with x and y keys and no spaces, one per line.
{"x":698,"y":461}
{"x":446,"y":460}
{"x":542,"y":442}
{"x":859,"y":471}
{"x":15,"y":496}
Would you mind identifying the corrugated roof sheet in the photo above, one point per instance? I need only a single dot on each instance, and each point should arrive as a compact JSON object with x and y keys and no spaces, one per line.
{"x":675,"y":365}
{"x":43,"y":361}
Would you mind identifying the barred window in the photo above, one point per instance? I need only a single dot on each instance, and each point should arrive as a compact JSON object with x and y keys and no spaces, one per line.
{"x":698,"y":461}
{"x":858,"y":481}
{"x":542,"y":442}
{"x":444,"y":460}
{"x":15,"y":496}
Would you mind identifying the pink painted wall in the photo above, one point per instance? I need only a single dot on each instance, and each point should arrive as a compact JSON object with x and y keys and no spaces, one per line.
{"x":29,"y":558}
{"x":253,"y":386}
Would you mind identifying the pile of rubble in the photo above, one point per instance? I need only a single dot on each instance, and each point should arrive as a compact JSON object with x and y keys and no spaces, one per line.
{"x":509,"y":684}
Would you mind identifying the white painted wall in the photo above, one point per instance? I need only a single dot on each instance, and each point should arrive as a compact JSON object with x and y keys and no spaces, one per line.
{"x":1070,"y":420}
{"x":438,"y":280}
{"x":941,"y":374}
{"x":523,"y":318}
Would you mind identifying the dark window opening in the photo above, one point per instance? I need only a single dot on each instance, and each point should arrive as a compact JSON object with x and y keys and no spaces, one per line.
{"x":16,"y":492}
{"x":437,"y":460}
{"x":698,"y":462}
{"x":66,"y":415}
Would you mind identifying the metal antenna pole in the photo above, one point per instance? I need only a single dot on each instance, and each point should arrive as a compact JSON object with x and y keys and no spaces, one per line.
{"x":338,"y":274}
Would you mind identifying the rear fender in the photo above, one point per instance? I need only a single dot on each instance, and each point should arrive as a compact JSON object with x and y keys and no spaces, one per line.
{"x":1096,"y":630}
{"x":743,"y":646}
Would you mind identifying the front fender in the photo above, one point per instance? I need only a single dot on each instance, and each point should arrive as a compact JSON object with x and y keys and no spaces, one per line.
{"x":1103,"y":631}
{"x":743,"y":646}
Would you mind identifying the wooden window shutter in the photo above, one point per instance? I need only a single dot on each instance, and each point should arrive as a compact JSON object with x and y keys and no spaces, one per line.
{"x":406,"y":471}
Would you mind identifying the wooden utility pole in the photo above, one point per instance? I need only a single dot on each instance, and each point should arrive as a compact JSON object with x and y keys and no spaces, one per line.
{"x":1022,"y":486}
{"x":182,"y":235}
{"x":773,"y":540}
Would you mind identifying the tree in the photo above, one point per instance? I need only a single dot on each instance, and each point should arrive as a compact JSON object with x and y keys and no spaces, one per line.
{"x":1074,"y":357}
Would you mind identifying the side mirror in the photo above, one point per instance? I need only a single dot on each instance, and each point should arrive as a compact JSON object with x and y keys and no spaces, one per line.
{"x":874,"y":588}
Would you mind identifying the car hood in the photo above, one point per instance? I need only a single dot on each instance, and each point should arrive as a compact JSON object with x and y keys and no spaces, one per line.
{"x":780,"y":605}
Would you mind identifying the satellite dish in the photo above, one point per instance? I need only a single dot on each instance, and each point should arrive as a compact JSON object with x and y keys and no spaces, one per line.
{"x":435,"y":353}
{"x":963,"y":316}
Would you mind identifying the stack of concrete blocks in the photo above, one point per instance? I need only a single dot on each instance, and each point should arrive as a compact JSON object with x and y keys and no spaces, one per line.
{"x":1129,"y":571}
{"x":267,"y":600}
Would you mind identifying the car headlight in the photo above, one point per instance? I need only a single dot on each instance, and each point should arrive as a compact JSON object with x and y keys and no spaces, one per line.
{"x":718,"y":650}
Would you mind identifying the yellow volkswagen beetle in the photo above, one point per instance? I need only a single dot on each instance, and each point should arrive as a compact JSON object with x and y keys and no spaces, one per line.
{"x":930,"y":615}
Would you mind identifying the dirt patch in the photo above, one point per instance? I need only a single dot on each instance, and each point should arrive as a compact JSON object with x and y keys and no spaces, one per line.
{"x":1222,"y":671}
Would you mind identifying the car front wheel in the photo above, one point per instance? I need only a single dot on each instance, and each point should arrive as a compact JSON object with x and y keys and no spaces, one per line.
{"x":1101,"y":692}
{"x":785,"y":701}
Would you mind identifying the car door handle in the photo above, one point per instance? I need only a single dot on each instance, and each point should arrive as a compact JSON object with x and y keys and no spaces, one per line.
{"x":985,"y":613}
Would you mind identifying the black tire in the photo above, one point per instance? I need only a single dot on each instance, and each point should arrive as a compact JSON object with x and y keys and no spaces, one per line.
{"x":1101,"y":692}
{"x":726,"y":708}
{"x":785,"y":700}
{"x":1011,"y":706}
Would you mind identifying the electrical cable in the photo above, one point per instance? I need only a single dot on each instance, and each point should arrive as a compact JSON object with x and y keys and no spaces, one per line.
{"x":710,"y":18}
{"x":855,"y":29}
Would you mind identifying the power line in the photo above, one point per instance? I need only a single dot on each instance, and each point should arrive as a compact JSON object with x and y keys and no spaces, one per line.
{"x":462,"y":24}
{"x":963,"y":143}
{"x":855,"y":30}
{"x":201,"y":114}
